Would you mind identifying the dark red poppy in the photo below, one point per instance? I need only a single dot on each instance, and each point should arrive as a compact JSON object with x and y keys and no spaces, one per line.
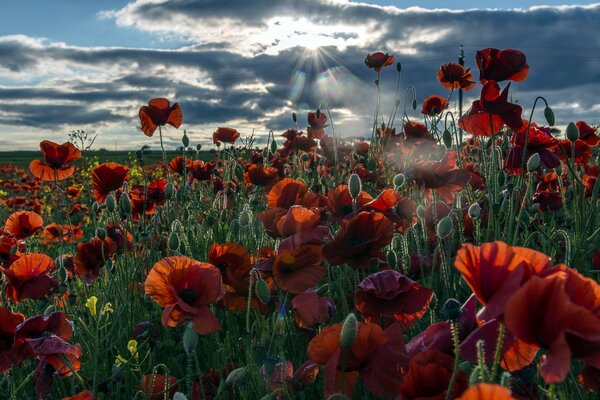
{"x":455,"y":76}
{"x":378,"y":60}
{"x":315,"y":129}
{"x":154,"y":386}
{"x":159,"y":112}
{"x":540,"y":141}
{"x":360,"y":240}
{"x":201,"y":170}
{"x":179,"y":164}
{"x":8,"y":328}
{"x":588,"y":134}
{"x":340,"y":201}
{"x":28,"y":277}
{"x":185,"y":288}
{"x":56,"y":156}
{"x":92,"y":256}
{"x":9,"y":250}
{"x":583,"y":151}
{"x":226,"y":135}
{"x":496,"y":103}
{"x":304,"y":143}
{"x":500,"y":65}
{"x":434,"y":105}
{"x":23,"y":224}
{"x":257,"y":174}
{"x":106,"y":178}
{"x":311,"y":310}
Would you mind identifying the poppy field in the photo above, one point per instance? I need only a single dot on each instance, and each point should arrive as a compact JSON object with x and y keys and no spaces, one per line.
{"x":443,"y":256}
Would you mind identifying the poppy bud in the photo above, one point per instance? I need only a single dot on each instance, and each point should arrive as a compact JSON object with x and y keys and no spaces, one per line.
{"x":236,"y":376}
{"x":173,"y":241}
{"x":524,"y":217}
{"x":179,"y":396}
{"x":239,"y":173}
{"x":13,"y":249}
{"x":273,"y":146}
{"x":139,"y":154}
{"x":399,"y":181}
{"x":572,"y":132}
{"x":451,"y":309}
{"x":198,"y":147}
{"x":354,"y":186}
{"x":444,"y":227}
{"x":262,"y":291}
{"x":398,"y":67}
{"x":110,"y":203}
{"x":185,"y":140}
{"x":392,"y":259}
{"x":265,"y":152}
{"x":318,"y":113}
{"x":558,"y":169}
{"x":101,"y":233}
{"x":349,"y":331}
{"x":447,"y":138}
{"x":96,"y":206}
{"x":190,"y":339}
{"x":62,"y":274}
{"x":169,"y":190}
{"x":124,"y":204}
{"x":421,"y":212}
{"x":535,"y":207}
{"x":414,"y":104}
{"x":49,"y":310}
{"x":474,"y":211}
{"x":501,"y":178}
{"x":294,"y":118}
{"x":244,"y":219}
{"x":376,"y":82}
{"x":534,"y":162}
{"x":475,"y":376}
{"x":304,"y":157}
{"x":549,"y":115}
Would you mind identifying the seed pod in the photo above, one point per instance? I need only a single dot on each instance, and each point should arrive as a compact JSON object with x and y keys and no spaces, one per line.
{"x":534,"y":162}
{"x":354,"y":185}
{"x":444,"y":227}
{"x":244,"y":219}
{"x":349,"y":331}
{"x":399,"y":181}
{"x":124,"y":204}
{"x":572,"y":132}
{"x":110,"y":203}
{"x":549,"y":115}
{"x":262,"y":291}
{"x":474,"y":211}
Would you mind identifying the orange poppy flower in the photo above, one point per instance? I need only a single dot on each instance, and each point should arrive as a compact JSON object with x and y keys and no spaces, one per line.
{"x":500,"y":65}
{"x":486,"y":391}
{"x":106,"y":178}
{"x":233,"y":260}
{"x":478,"y":122}
{"x":298,"y":219}
{"x":8,"y":329}
{"x":257,"y":174}
{"x":154,"y":386}
{"x":315,"y":130}
{"x":378,"y":60}
{"x":559,"y":312}
{"x":227,"y":135}
{"x":23,"y":224}
{"x":360,"y":240}
{"x":56,"y":233}
{"x":495,"y":270}
{"x":428,"y":377}
{"x":73,"y":192}
{"x":178,"y":164}
{"x":455,"y":76}
{"x":57,"y":156}
{"x":390,"y":294}
{"x":311,"y":310}
{"x":270,"y":218}
{"x":202,"y":171}
{"x":286,"y":193}
{"x":434,"y":105}
{"x":28,"y":277}
{"x":159,"y":112}
{"x":92,"y":256}
{"x":340,"y":201}
{"x":85,"y":395}
{"x":185,"y":287}
{"x":378,"y":356}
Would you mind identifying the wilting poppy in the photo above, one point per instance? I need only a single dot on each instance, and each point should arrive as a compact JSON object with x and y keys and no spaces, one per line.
{"x":154,"y":386}
{"x":378,"y":356}
{"x":434,"y":105}
{"x":316,"y":125}
{"x":56,"y":156}
{"x":588,"y":134}
{"x":92,"y":256}
{"x":378,"y":60}
{"x":28,"y":277}
{"x":495,"y":102}
{"x":106,"y":178}
{"x":428,"y":377}
{"x":8,"y":328}
{"x":360,"y":240}
{"x":500,"y":65}
{"x":159,"y":112}
{"x":311,"y":310}
{"x":390,"y":294}
{"x":486,"y":391}
{"x":226,"y":135}
{"x":495,"y":270}
{"x":340,"y":201}
{"x":23,"y":224}
{"x":455,"y":76}
{"x":559,"y":312}
{"x":539,"y":140}
{"x":185,"y":287}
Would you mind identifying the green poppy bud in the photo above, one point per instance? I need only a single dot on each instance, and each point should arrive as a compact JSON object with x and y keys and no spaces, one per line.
{"x":185,"y":140}
{"x":414,"y":104}
{"x":236,"y":376}
{"x":444,"y":227}
{"x":124,"y":204}
{"x":273,"y":146}
{"x":110,"y":203}
{"x":169,"y":190}
{"x":173,"y":241}
{"x":349,"y":331}
{"x":262,"y":291}
{"x":549,"y":115}
{"x":534,"y":162}
{"x":392,"y":259}
{"x":572,"y":132}
{"x":399,"y":181}
{"x":474,"y":211}
{"x":304,"y":157}
{"x":101,"y":233}
{"x":294,"y":118}
{"x":190,"y":339}
{"x":447,"y":138}
{"x":354,"y":185}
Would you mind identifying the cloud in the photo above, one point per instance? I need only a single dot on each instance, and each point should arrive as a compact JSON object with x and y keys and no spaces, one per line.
{"x":251,"y":64}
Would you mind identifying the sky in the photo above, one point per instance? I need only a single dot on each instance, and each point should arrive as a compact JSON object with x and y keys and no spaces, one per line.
{"x":85,"y":64}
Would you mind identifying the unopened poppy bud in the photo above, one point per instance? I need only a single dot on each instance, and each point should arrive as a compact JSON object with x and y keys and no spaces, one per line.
{"x":474,"y":211}
{"x":475,"y":376}
{"x":265,"y":152}
{"x":185,"y":140}
{"x":190,"y":339}
{"x":501,"y":178}
{"x":398,"y":67}
{"x":49,"y":310}
{"x":101,"y":233}
{"x":549,"y":115}
{"x":96,"y":207}
{"x":414,"y":104}
{"x":110,"y":203}
{"x":179,"y":396}
{"x":444,"y":227}
{"x":124,"y":204}
{"x":244,"y":219}
{"x":239,"y":173}
{"x":62,"y":274}
{"x":262,"y":291}
{"x":524,"y":217}
{"x":198,"y":147}
{"x":451,"y":309}
{"x":139,"y":154}
{"x":318,"y":113}
{"x":173,"y":241}
{"x":354,"y":185}
{"x":349,"y":331}
{"x":535,"y":207}
{"x":505,"y":379}
{"x":169,"y":190}
{"x":447,"y":138}
{"x":13,"y":249}
{"x":534,"y":162}
{"x":304,"y":157}
{"x":558,"y":170}
{"x":273,"y":146}
{"x":399,"y":181}
{"x":294,"y":117}
{"x":572,"y":132}
{"x":421,"y":212}
{"x":236,"y":376}
{"x":392,"y":259}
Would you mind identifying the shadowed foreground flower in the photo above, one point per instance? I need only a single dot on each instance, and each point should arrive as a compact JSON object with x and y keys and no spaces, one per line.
{"x":226,"y":135}
{"x":23,"y":224}
{"x":500,"y":65}
{"x":311,"y":310}
{"x":106,"y":178}
{"x":378,"y":60}
{"x":486,"y":391}
{"x":159,"y":112}
{"x":315,"y":130}
{"x":434,"y":105}
{"x":185,"y":287}
{"x":92,"y":256}
{"x":154,"y":386}
{"x":28,"y":277}
{"x":56,"y":157}
{"x":455,"y":76}
{"x":233,"y":260}
{"x":539,"y":141}
{"x":8,"y":329}
{"x":85,"y":395}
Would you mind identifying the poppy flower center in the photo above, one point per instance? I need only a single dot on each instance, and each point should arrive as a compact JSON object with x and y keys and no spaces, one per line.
{"x":355,"y":240}
{"x":188,"y":295}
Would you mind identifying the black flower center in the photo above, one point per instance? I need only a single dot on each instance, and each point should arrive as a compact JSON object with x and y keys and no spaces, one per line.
{"x":188,"y":295}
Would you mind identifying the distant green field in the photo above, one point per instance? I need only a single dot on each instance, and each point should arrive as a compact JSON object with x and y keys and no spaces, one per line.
{"x":23,"y":158}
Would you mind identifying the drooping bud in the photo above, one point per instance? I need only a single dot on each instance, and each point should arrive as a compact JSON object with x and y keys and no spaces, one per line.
{"x":451,"y":309}
{"x":572,"y":132}
{"x":185,"y":140}
{"x":474,"y":211}
{"x":444,"y":227}
{"x":318,"y":113}
{"x":124,"y":204}
{"x":273,"y":146}
{"x":534,"y":162}
{"x":262,"y":291}
{"x":294,"y":117}
{"x":399,"y":181}
{"x":236,"y":376}
{"x":501,"y":178}
{"x":244,"y":219}
{"x":421,"y":212}
{"x":304,"y":157}
{"x":173,"y":241}
{"x":549,"y":115}
{"x":414,"y":104}
{"x":447,"y":138}
{"x":354,"y":185}
{"x":101,"y":233}
{"x":349,"y":331}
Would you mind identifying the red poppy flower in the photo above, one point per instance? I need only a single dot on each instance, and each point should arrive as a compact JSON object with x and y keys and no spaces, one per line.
{"x":277,"y":376}
{"x":316,"y":125}
{"x":361,"y":147}
{"x":478,"y":122}
{"x":23,"y":224}
{"x":201,"y":170}
{"x":560,"y":313}
{"x":500,"y":65}
{"x":590,"y":178}
{"x":179,"y":164}
{"x":233,"y":260}
{"x":497,"y":103}
{"x":540,"y":141}
{"x":154,"y":386}
{"x":56,"y":233}
{"x":455,"y":76}
{"x":57,"y":156}
{"x":588,"y":134}
{"x":378,"y":356}
{"x":428,"y":377}
{"x":257,"y":174}
{"x":298,"y":219}
{"x":391,"y":294}
{"x":85,"y":395}
{"x":548,"y":200}
{"x":340,"y":201}
{"x":311,"y":310}
{"x":227,"y":135}
{"x":495,"y":270}
{"x":378,"y":60}
{"x":185,"y":287}
{"x":360,"y":240}
{"x":583,"y":151}
{"x":9,"y":250}
{"x":305,"y":375}
{"x":270,"y":218}
{"x":304,"y":143}
{"x":92,"y":256}
{"x":28,"y":277}
{"x":8,"y":329}
{"x":486,"y":391}
{"x":106,"y":178}
{"x":159,"y":112}
{"x":286,"y":193}
{"x":434,"y":105}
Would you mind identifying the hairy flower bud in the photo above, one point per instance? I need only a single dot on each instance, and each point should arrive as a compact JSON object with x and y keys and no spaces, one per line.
{"x":262,"y":291}
{"x":349,"y":331}
{"x":549,"y":115}
{"x":534,"y":162}
{"x":572,"y":132}
{"x":354,"y":185}
{"x":444,"y":227}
